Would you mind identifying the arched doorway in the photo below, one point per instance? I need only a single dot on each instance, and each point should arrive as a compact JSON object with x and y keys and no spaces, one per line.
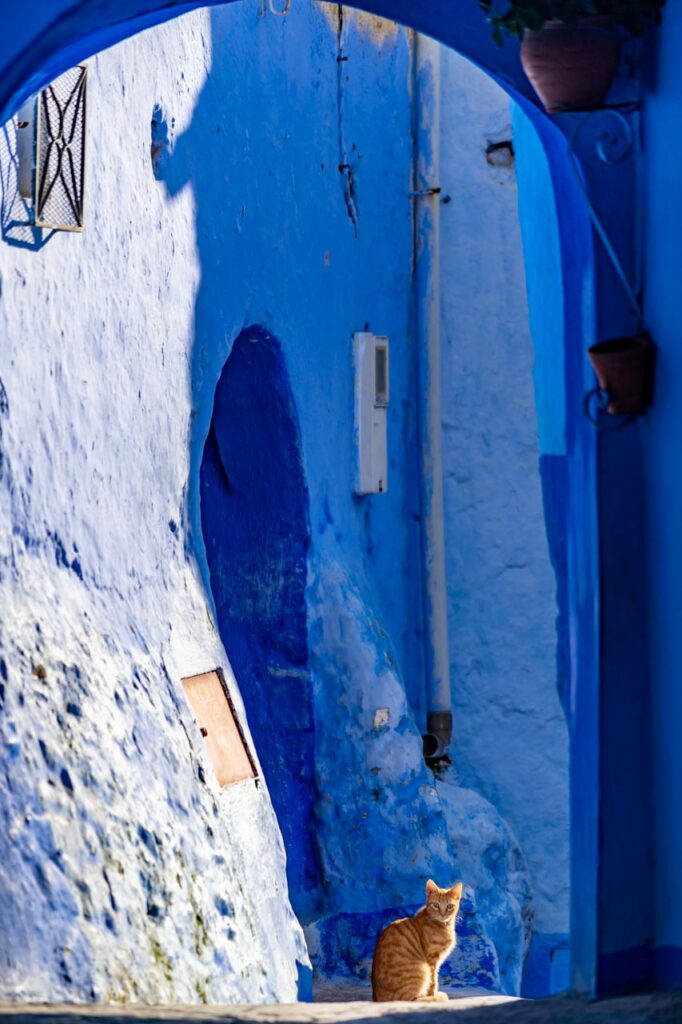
{"x":254,"y":517}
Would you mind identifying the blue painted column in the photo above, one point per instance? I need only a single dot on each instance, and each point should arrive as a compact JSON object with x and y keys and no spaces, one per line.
{"x":662,"y":438}
{"x":594,"y":500}
{"x":624,"y":925}
{"x":558,"y":253}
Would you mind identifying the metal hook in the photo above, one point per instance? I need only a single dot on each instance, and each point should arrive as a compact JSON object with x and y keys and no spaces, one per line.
{"x":279,"y":13}
{"x":614,"y":143}
{"x":615,"y":422}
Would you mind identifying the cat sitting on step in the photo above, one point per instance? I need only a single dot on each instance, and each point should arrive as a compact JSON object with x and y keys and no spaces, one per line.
{"x":409,"y":952}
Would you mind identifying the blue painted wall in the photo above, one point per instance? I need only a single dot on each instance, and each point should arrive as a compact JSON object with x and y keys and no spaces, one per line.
{"x":661,"y":439}
{"x":281,"y":279}
{"x":347,"y":214}
{"x":303,"y":227}
{"x":501,"y":583}
{"x":138,"y":876}
{"x":559,"y":295}
{"x":276,"y":239}
{"x":607,"y":701}
{"x":247,"y":220}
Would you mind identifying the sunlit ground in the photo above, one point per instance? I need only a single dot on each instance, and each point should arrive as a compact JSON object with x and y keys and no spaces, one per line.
{"x":658,"y":1008}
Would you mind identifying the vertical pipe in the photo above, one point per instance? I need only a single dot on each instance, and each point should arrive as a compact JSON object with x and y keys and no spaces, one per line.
{"x":426,"y":187}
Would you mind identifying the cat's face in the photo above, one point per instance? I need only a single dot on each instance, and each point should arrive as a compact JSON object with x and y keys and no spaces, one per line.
{"x":442,"y":904}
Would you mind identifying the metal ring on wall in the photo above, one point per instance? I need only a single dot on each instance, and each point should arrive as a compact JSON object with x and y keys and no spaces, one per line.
{"x":613,"y":145}
{"x":614,"y":421}
{"x":280,"y":13}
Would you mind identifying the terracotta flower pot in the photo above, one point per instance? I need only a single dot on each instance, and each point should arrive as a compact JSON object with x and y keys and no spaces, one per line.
{"x":571,"y":68}
{"x":625,"y":370}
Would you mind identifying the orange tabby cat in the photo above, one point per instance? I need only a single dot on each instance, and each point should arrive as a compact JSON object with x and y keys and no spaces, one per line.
{"x":410,"y":951}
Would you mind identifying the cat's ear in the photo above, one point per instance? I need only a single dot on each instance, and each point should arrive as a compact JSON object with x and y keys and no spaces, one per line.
{"x":456,"y":891}
{"x":431,"y":886}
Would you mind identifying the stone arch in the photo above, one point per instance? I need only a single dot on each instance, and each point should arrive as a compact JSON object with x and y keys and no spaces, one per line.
{"x":58,"y":34}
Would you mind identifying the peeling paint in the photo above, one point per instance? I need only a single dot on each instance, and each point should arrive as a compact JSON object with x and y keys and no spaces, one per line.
{"x":345,"y":166}
{"x":379,"y":30}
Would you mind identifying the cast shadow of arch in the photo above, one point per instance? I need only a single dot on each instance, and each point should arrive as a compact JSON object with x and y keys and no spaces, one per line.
{"x":247,"y":501}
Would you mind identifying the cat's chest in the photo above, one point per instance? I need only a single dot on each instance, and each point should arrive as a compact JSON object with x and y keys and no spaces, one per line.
{"x":437,"y":943}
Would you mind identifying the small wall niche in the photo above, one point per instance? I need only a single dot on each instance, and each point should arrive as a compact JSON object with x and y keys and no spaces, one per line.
{"x":161,"y":141}
{"x":214,"y":713}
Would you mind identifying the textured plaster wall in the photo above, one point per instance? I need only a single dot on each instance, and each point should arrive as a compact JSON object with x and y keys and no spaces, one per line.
{"x":126,"y":873}
{"x":313,"y":240}
{"x":510,"y":736}
{"x":385,"y":823}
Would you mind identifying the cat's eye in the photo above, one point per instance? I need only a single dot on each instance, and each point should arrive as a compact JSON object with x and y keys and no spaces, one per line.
{"x":451,"y":906}
{"x":435,"y":906}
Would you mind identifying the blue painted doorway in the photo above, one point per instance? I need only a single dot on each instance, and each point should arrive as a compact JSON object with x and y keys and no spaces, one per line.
{"x":254,"y":515}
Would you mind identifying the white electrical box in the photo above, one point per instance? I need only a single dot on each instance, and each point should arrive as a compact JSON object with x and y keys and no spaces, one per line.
{"x":370,"y":359}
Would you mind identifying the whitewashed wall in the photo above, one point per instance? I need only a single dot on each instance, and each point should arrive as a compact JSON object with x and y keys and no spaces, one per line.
{"x":126,"y":872}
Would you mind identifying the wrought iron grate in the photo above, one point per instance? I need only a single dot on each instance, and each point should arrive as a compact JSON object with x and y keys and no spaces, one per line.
{"x":60,"y":152}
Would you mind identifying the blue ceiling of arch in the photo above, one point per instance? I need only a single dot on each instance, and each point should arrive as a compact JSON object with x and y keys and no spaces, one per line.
{"x":40,"y":40}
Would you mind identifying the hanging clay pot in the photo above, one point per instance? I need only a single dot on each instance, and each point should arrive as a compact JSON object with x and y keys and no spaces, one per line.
{"x":571,"y":68}
{"x":625,"y":371}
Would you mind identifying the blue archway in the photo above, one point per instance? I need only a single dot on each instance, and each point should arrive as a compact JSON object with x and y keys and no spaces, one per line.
{"x":35,"y":47}
{"x":589,"y":480}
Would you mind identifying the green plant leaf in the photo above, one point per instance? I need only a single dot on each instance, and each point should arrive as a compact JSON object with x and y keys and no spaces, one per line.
{"x":513,"y":17}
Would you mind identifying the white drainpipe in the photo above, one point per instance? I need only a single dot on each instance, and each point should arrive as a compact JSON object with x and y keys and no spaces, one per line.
{"x":427,"y":92}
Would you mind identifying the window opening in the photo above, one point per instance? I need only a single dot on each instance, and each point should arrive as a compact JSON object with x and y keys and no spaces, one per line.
{"x":51,"y":152}
{"x":215,"y":715}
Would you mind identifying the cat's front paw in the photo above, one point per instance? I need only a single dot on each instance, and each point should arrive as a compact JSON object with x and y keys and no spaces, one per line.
{"x":441,"y":997}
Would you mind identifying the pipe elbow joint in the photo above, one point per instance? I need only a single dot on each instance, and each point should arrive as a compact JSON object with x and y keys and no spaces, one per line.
{"x":438,"y":735}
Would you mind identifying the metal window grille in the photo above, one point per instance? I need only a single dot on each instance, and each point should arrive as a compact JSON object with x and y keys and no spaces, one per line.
{"x":60,"y":152}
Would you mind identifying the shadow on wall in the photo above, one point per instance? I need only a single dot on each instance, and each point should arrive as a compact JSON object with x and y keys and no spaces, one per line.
{"x":247,"y":157}
{"x":253,"y":520}
{"x":254,"y":514}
